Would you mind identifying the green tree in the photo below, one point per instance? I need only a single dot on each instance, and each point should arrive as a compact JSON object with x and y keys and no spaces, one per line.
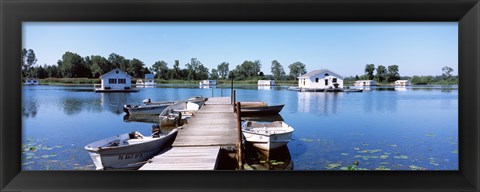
{"x":28,"y":60}
{"x":214,"y":74}
{"x":136,"y":68}
{"x":277,"y":70}
{"x":297,"y":69}
{"x":176,"y":70}
{"x":161,"y":69}
{"x":223,"y":70}
{"x":118,"y":61}
{"x":393,"y":73}
{"x":73,"y":65}
{"x":100,"y":65}
{"x":202,"y":72}
{"x":369,"y":69}
{"x":247,"y":70}
{"x":447,"y":72}
{"x":381,"y":73}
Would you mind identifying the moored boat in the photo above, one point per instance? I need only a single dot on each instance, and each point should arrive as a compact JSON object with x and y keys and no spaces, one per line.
{"x":145,"y":109}
{"x":128,"y":150}
{"x":268,"y":135}
{"x":248,"y":108}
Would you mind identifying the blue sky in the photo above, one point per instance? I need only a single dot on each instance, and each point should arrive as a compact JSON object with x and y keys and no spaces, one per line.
{"x":418,"y":48}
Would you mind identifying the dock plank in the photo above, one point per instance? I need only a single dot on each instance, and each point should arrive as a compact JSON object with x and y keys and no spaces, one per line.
{"x":185,"y":158}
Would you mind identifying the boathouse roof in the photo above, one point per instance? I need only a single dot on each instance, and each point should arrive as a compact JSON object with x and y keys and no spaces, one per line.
{"x":117,"y":70}
{"x":316,"y":72}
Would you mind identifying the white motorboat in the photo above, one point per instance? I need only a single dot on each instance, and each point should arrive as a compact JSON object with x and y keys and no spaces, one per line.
{"x":267,"y":135}
{"x":146,"y":109}
{"x":128,"y":150}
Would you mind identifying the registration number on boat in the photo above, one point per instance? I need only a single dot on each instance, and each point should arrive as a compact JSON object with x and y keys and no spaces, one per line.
{"x":130,"y":156}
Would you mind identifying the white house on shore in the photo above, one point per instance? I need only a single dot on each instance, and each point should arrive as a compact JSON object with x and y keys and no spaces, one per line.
{"x":402,"y":83}
{"x":365,"y":83}
{"x":115,"y":81}
{"x":266,"y":82}
{"x":207,"y":83}
{"x":149,"y":80}
{"x":320,"y":79}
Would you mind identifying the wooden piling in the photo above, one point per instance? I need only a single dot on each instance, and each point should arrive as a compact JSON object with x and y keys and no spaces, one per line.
{"x":239,"y":140}
{"x":234,"y":100}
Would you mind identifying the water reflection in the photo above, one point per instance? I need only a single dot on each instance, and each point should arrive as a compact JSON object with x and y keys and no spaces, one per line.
{"x":263,"y":118}
{"x":30,"y":107}
{"x":114,"y":101}
{"x":401,"y":88}
{"x":141,"y":118}
{"x":319,"y":102}
{"x":277,"y":159}
{"x":264,"y":88}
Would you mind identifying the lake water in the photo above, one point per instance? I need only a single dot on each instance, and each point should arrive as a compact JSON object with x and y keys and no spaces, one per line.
{"x":413,"y":128}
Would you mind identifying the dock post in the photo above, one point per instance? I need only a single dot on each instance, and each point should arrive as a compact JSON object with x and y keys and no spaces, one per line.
{"x":239,"y":140}
{"x":234,"y":100}
{"x":212,"y":92}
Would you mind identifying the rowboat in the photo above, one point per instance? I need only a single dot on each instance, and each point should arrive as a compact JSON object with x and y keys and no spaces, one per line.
{"x":259,"y":108}
{"x":267,"y":135}
{"x":178,"y":113}
{"x":128,"y":150}
{"x":145,"y":109}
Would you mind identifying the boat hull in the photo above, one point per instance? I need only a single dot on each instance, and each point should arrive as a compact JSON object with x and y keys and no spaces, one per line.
{"x":130,"y":156}
{"x":274,"y":109}
{"x":267,"y":136}
{"x":145,"y":110}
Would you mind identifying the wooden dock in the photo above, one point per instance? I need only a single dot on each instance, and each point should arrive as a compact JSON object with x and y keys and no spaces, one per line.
{"x":198,"y":142}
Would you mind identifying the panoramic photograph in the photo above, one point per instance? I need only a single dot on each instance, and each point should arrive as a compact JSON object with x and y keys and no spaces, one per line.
{"x":245,"y":96}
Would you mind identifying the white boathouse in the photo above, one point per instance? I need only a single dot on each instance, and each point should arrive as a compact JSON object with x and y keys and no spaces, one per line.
{"x":402,"y":83}
{"x":115,"y":81}
{"x":320,"y":79}
{"x":149,"y":80}
{"x":266,"y":82}
{"x":208,"y":83}
{"x":365,"y":83}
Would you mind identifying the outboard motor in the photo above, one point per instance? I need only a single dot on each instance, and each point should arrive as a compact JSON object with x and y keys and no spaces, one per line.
{"x":125,"y":108}
{"x":156,"y":131}
{"x":145,"y":101}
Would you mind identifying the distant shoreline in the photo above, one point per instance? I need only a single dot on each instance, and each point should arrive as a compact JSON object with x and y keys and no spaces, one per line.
{"x":87,"y":81}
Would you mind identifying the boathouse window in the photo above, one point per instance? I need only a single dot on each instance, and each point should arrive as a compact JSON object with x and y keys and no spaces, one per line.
{"x":334,"y":80}
{"x":316,"y":80}
{"x":326,"y":81}
{"x":326,"y":74}
{"x":112,"y":81}
{"x":122,"y":81}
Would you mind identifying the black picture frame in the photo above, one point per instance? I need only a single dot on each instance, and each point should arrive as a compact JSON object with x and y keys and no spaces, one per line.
{"x":14,"y":12}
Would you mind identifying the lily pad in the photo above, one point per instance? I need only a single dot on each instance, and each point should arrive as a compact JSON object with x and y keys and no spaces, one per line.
{"x":382,"y":168}
{"x":356,"y":148}
{"x":414,"y":167}
{"x":262,"y":161}
{"x":429,"y":135}
{"x":383,"y":156}
{"x":333,"y":166}
{"x":345,"y":154}
{"x":455,"y":151}
{"x":400,"y":157}
{"x":45,"y":156}
{"x":30,"y":154}
{"x":393,"y":145}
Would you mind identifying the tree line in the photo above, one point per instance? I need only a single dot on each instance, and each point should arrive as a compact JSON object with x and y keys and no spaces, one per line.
{"x":72,"y":65}
{"x":391,"y":73}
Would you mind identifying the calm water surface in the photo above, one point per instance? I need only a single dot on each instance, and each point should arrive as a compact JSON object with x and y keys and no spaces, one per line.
{"x":383,"y":128}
